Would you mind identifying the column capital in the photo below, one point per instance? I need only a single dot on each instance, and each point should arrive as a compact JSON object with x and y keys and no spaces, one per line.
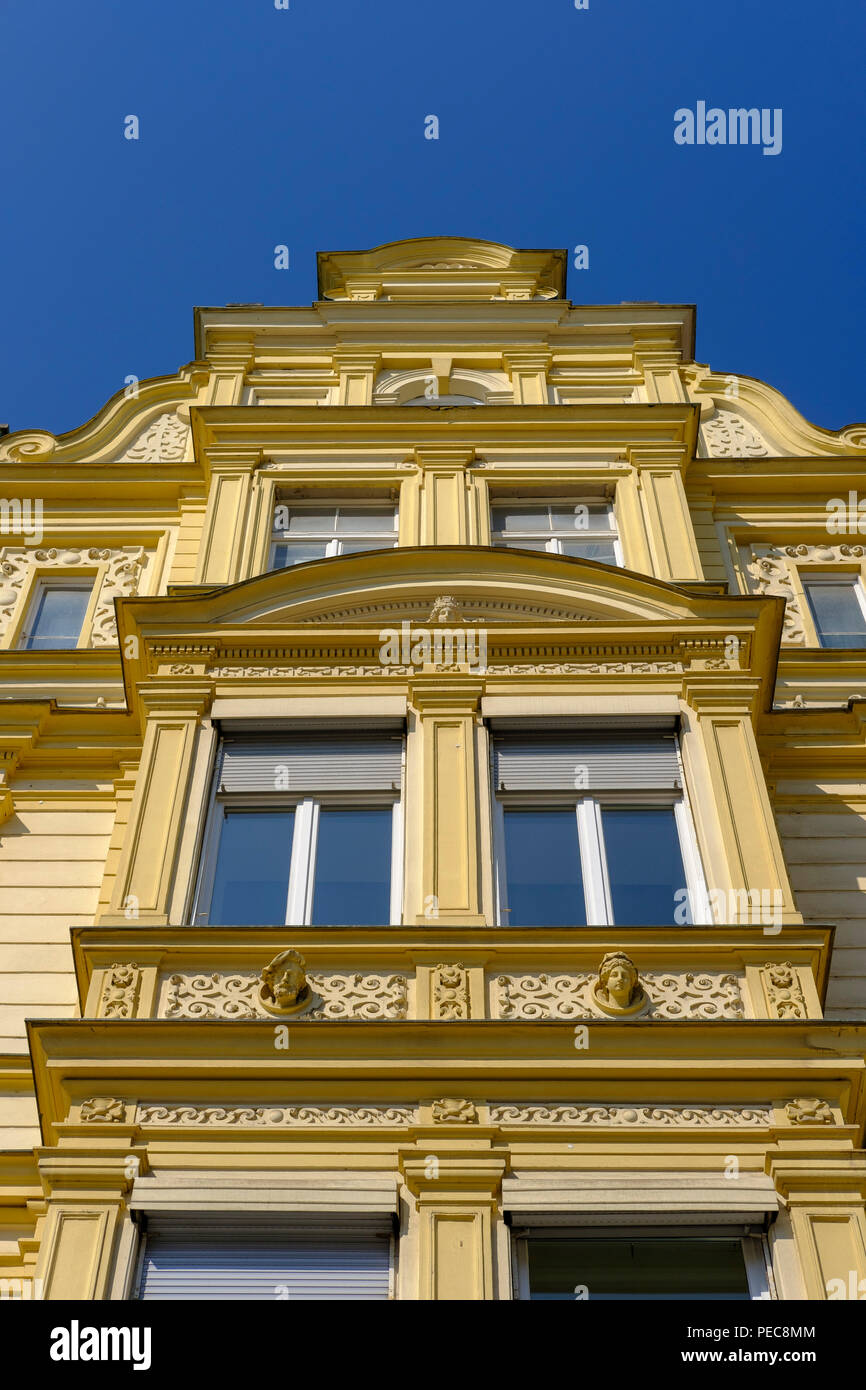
{"x":442,"y":458}
{"x":445,"y":696}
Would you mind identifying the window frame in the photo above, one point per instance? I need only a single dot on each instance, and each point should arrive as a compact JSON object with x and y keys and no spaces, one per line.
{"x":554,"y":537}
{"x":598,"y":898}
{"x":302,"y":858}
{"x":755,"y":1245}
{"x":57,"y":579}
{"x":810,"y":576}
{"x":333,"y":540}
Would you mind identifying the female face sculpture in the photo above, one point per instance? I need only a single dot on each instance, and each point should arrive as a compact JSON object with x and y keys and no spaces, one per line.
{"x":619,"y":989}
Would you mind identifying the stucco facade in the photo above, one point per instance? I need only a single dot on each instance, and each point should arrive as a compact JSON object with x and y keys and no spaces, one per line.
{"x":462,"y":1082}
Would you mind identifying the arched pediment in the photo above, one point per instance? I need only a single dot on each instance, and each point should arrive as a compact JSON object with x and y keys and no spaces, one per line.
{"x":481,"y":584}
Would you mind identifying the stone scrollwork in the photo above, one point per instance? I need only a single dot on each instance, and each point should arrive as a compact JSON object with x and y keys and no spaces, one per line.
{"x":451,"y":1110}
{"x":120,"y":579}
{"x":103,"y":1110}
{"x":120,"y":988}
{"x":241,"y":995}
{"x":576,"y":995}
{"x":727,"y":435}
{"x":162,"y":441}
{"x":783,"y":991}
{"x":450,"y":992}
{"x":274,"y":1116}
{"x":809,"y":1110}
{"x":771,"y":572}
{"x":650,"y":1116}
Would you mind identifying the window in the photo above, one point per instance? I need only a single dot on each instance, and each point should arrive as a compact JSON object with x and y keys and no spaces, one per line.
{"x":220,"y":1258}
{"x":615,"y":1267}
{"x":305,"y":829}
{"x":593,"y":830}
{"x":311,"y":531}
{"x":585,"y":529}
{"x":838,"y":606}
{"x":56,"y":616}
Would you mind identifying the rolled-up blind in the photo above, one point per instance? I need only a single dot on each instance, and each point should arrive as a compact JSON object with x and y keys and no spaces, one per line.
{"x":310,"y":762}
{"x":266,"y":1259}
{"x":631,"y":761}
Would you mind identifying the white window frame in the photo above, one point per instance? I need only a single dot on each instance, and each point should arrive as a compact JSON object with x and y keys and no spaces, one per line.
{"x":588,"y":810}
{"x":302,"y":863}
{"x":43,"y":583}
{"x":809,"y":577}
{"x":755,"y":1248}
{"x":333,"y":541}
{"x":553,"y":545}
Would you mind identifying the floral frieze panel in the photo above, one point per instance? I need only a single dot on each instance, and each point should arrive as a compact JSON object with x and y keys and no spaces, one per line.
{"x":635,"y":1116}
{"x":574,"y":995}
{"x":277,"y":1116}
{"x":335,"y":995}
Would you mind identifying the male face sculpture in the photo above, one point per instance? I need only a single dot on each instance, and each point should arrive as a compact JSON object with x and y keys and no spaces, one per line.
{"x":284,"y":981}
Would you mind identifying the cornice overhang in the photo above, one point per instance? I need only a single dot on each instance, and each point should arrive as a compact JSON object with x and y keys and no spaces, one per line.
{"x":206,"y":1061}
{"x":524,"y":601}
{"x":614,"y":428}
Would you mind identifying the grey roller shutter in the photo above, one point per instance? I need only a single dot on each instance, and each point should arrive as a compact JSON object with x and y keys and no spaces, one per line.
{"x":633,"y":761}
{"x":210,"y":1259}
{"x":310,"y":762}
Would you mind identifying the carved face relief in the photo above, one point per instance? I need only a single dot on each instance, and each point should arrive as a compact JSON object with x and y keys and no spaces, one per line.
{"x":284,"y":988}
{"x":618,"y":989}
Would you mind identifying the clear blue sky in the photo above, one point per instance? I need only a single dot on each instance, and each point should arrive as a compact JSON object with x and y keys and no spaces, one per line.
{"x":261,"y":126}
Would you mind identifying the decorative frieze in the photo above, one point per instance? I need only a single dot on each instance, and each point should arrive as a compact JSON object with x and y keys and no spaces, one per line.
{"x":727,"y":435}
{"x":450,"y":991}
{"x":239,"y":995}
{"x":120,"y":988}
{"x":277,"y":1116}
{"x":783,"y":991}
{"x":121,"y":575}
{"x":575,"y":995}
{"x":383,"y":670}
{"x":163,"y":441}
{"x":635,"y":1116}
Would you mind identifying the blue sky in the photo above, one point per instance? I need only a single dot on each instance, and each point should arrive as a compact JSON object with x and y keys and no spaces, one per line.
{"x":305,"y":127}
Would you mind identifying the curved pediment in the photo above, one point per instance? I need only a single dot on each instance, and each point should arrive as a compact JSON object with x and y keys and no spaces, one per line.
{"x":453,"y":267}
{"x":453,"y":584}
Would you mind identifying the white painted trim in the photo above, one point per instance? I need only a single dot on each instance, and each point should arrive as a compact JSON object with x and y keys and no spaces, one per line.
{"x":756,"y":1257}
{"x":695,"y":883}
{"x":596,"y":886}
{"x":500,"y":886}
{"x":300,"y":897}
{"x":397,"y":837}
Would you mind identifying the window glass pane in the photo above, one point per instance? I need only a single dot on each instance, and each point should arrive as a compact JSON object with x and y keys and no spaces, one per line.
{"x":58,"y":618}
{"x":297,"y":553}
{"x":521,"y":543}
{"x":353,"y":868}
{"x":309,"y":521}
{"x":523,"y":518}
{"x":837,"y":613}
{"x":626,"y":1269}
{"x":371,"y":543}
{"x":581,"y":517}
{"x":363,"y":521}
{"x":644,"y":865}
{"x":251,"y":882}
{"x":542,"y":864}
{"x":590,"y":550}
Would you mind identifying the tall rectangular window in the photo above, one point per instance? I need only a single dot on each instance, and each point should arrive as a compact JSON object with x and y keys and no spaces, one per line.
{"x":305,"y":829}
{"x":312,"y":531}
{"x":585,"y":529}
{"x":56,"y":616}
{"x":593,"y":830}
{"x":838,"y":606}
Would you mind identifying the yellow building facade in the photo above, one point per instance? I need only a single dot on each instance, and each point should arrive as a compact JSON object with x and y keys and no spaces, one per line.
{"x":433,"y":811}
